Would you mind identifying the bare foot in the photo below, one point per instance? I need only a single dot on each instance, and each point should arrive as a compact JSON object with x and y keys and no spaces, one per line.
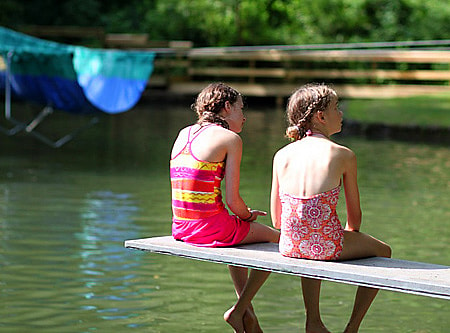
{"x":251,"y":323}
{"x":235,"y":320}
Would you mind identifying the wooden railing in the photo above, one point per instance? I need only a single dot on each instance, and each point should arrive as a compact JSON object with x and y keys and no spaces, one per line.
{"x":382,"y":73}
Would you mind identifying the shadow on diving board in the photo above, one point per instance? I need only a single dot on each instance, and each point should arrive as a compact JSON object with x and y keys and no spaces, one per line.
{"x":390,"y":274}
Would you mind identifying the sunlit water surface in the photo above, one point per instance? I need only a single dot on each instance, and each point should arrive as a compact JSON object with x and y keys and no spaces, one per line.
{"x":64,"y":214}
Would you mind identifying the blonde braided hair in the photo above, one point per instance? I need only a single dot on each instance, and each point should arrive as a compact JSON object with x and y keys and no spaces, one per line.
{"x":303,"y":104}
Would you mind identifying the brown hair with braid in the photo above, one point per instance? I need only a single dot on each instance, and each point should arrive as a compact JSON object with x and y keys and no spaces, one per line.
{"x":211,"y":101}
{"x":303,"y":104}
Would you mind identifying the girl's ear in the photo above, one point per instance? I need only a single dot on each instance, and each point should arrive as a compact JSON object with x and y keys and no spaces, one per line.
{"x":227,"y":107}
{"x":225,"y":110}
{"x":320,"y":116}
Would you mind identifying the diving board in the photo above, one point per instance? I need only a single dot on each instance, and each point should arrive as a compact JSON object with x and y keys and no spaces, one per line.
{"x":384,"y":273}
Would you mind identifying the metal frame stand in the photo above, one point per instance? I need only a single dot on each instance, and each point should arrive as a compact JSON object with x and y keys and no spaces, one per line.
{"x":18,"y":126}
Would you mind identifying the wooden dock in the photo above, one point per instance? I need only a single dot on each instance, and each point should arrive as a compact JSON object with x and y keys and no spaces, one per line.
{"x":384,"y":273}
{"x":383,"y":73}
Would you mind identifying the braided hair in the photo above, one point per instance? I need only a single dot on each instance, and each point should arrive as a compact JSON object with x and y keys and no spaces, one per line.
{"x":211,"y":101}
{"x":303,"y":104}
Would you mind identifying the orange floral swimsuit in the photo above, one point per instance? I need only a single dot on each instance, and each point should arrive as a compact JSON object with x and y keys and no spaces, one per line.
{"x":310,"y":227}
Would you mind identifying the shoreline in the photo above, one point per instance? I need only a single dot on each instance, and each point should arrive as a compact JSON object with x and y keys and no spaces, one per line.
{"x":408,"y":133}
{"x":430,"y":134}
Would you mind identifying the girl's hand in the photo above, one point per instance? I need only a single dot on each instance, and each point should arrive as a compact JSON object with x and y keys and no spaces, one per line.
{"x":255,"y":213}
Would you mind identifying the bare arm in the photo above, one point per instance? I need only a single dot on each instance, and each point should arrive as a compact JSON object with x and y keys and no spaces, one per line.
{"x":275,"y":203}
{"x":352,"y":200}
{"x":232,"y":178}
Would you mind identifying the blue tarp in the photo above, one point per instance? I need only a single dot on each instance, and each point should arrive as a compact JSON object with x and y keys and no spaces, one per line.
{"x":73,"y":78}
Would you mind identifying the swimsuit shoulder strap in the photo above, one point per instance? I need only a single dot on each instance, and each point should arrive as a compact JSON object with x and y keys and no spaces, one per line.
{"x":196,"y":133}
{"x":186,"y":145}
{"x":190,"y":138}
{"x":193,"y":137}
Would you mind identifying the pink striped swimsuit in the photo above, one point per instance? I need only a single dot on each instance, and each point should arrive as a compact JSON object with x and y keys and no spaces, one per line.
{"x":199,"y":215}
{"x":310,"y":227}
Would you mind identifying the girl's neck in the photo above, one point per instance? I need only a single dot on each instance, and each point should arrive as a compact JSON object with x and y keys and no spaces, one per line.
{"x":317,"y":134}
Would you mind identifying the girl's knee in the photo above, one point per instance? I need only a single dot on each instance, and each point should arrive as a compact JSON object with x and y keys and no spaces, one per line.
{"x":267,"y":233}
{"x":382,"y":249}
{"x":261,"y":233}
{"x":385,"y":251}
{"x":361,"y":245}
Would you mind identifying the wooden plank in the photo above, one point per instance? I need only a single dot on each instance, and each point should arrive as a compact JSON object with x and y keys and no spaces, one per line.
{"x":347,"y":90}
{"x":126,"y":40}
{"x":170,"y":63}
{"x":238,"y":72}
{"x":390,"y":91}
{"x":181,"y":44}
{"x":63,"y":31}
{"x":374,"y":74}
{"x":320,"y":73}
{"x":390,"y":274}
{"x":408,"y":56}
{"x":394,"y":56}
{"x":130,"y":40}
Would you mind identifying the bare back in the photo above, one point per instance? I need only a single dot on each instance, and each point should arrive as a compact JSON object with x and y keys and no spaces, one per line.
{"x":310,"y":166}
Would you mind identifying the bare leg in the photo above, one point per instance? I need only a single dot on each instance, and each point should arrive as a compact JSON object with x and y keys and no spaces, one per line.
{"x":360,"y":245}
{"x":239,"y":276}
{"x":246,"y":288}
{"x":260,"y":233}
{"x":235,"y":315}
{"x":311,"y":293}
{"x":363,"y":300}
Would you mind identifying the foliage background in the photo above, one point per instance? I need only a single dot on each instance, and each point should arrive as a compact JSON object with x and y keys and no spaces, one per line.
{"x":244,"y":22}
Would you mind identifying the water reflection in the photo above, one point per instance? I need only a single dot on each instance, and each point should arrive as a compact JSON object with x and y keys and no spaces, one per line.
{"x":106,"y":218}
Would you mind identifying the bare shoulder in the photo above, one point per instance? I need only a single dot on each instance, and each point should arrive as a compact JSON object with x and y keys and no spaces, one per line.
{"x":345,"y":156}
{"x":282,"y":153}
{"x":343,"y":151}
{"x":182,"y":136}
{"x":223,"y":134}
{"x":220,"y":140}
{"x":184,"y":131}
{"x":180,"y":141}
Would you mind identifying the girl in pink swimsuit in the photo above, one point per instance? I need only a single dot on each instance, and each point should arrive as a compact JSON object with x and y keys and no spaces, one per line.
{"x":307,"y":177}
{"x":202,"y":156}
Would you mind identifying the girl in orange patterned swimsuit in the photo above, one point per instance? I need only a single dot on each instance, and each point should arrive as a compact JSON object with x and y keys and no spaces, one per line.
{"x":203,"y":154}
{"x":307,"y":178}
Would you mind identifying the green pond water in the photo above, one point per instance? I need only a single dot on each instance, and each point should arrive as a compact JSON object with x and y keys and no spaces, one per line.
{"x":64,"y":214}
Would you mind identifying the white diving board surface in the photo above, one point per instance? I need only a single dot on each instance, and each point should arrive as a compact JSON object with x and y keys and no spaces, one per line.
{"x":384,"y":273}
